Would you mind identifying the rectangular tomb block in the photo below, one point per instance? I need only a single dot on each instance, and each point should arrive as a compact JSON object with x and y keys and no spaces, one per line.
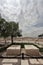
{"x":31,"y":50}
{"x":14,"y":50}
{"x":33,"y":62}
{"x":24,"y":62}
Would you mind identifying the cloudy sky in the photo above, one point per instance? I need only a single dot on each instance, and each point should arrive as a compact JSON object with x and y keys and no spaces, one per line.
{"x":29,"y":14}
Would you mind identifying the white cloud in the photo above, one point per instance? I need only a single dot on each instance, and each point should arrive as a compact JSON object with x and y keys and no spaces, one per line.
{"x":27,"y":12}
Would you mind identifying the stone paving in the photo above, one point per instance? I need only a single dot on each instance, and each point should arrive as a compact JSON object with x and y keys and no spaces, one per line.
{"x":21,"y":62}
{"x":24,"y":62}
{"x":11,"y":61}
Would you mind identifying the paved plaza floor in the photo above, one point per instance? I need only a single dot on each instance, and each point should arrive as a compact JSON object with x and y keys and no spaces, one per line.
{"x":14,"y":61}
{"x":21,"y":61}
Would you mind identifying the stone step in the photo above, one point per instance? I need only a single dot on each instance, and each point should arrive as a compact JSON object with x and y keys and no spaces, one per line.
{"x":9,"y":61}
{"x":40,"y":61}
{"x":23,"y":50}
{"x":24,"y":62}
{"x":34,"y":62}
{"x":7,"y":64}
